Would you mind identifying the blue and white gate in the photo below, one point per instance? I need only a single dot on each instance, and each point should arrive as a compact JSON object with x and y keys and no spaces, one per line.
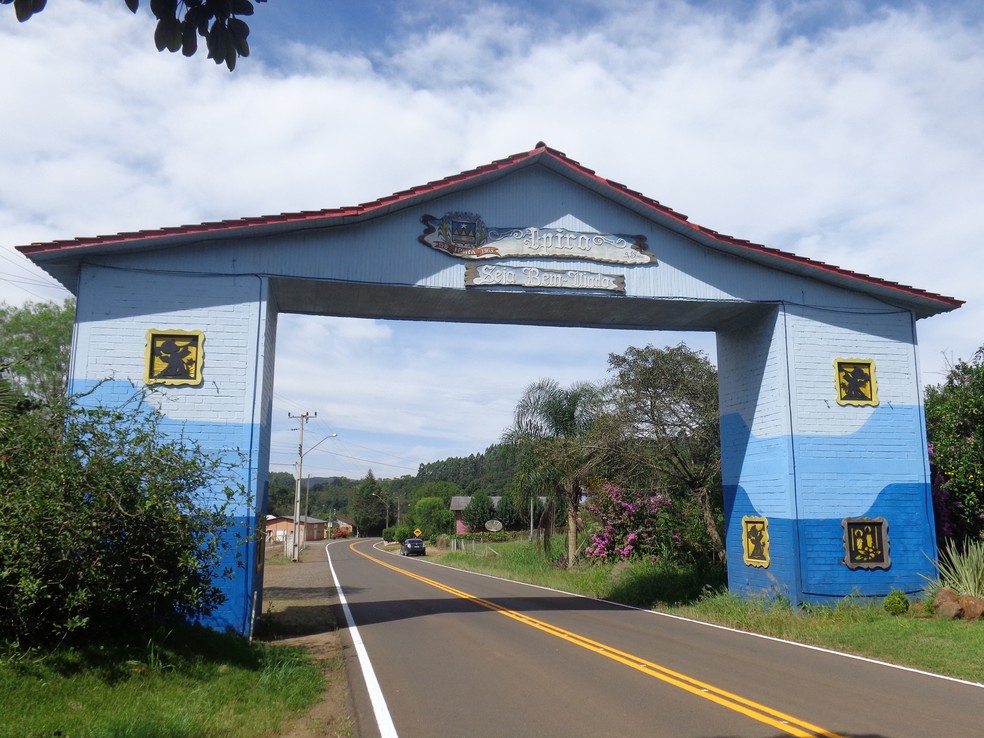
{"x":826,"y":476}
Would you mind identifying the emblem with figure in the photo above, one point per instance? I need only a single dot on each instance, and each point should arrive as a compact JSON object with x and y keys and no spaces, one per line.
{"x":174,"y":357}
{"x":466,"y":236}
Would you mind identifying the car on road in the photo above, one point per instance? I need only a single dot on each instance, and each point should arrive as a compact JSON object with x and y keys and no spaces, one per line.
{"x":413,"y":547}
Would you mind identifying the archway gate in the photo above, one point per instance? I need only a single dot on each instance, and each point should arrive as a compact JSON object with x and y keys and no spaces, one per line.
{"x":825,"y":469}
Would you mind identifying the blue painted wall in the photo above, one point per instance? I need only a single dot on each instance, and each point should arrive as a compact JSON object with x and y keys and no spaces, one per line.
{"x":792,"y":454}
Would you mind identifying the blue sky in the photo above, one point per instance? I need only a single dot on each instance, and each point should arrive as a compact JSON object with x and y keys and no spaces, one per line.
{"x":848,"y":132}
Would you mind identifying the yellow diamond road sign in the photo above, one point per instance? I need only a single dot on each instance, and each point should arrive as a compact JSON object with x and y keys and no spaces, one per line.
{"x":417,"y":532}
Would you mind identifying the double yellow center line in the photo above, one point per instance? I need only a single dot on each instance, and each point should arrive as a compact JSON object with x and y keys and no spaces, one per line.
{"x":750,"y":708}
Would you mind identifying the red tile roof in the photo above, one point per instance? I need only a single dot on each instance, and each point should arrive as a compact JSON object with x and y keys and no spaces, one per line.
{"x":542,"y":154}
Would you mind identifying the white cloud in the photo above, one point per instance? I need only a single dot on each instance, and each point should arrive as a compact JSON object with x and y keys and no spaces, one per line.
{"x":849,"y":134}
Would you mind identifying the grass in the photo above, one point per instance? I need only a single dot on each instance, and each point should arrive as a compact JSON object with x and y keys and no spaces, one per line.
{"x":640,"y":583}
{"x":189,"y":682}
{"x":854,"y":625}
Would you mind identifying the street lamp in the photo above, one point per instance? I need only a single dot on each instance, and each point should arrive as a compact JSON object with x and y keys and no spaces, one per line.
{"x":301,"y":453}
{"x":386,"y":504}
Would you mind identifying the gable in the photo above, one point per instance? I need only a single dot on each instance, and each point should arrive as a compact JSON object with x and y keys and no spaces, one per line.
{"x":370,"y":259}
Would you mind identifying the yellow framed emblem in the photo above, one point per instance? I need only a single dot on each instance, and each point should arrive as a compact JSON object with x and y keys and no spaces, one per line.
{"x":866,"y":543}
{"x":755,"y":541}
{"x":174,"y":357}
{"x":855,"y":381}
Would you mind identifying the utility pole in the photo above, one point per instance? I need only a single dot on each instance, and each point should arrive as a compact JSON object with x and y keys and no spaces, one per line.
{"x":531,"y":518}
{"x":307,"y":507}
{"x":297,"y":482}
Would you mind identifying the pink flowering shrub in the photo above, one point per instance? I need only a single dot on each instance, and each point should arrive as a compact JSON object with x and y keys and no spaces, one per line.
{"x":630,"y":523}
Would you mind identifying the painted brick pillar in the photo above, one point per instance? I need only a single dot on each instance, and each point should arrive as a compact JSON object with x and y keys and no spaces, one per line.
{"x":227,"y":411}
{"x":826,"y":494}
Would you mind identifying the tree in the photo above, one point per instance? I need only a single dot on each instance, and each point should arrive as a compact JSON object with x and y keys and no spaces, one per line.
{"x":280,"y":494}
{"x":328,"y":496}
{"x":955,"y":427}
{"x":505,"y":512}
{"x":399,"y":490}
{"x":444,"y":490}
{"x":433,"y":516}
{"x":181,"y":22}
{"x":479,"y":510}
{"x":666,"y":400}
{"x":107,"y":527}
{"x":367,"y":508}
{"x":490,"y":470}
{"x":35,"y":346}
{"x":559,"y":426}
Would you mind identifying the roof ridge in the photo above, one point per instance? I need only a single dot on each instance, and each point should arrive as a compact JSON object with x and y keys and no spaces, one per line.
{"x":541,"y":150}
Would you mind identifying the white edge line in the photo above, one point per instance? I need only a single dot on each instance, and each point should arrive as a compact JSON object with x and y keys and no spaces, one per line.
{"x":383,"y":718}
{"x":723,"y":627}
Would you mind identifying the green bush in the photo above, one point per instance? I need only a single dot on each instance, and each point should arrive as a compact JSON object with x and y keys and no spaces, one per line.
{"x":896,"y":603}
{"x":506,"y":513}
{"x":432,"y":516}
{"x":103,"y":527}
{"x":480,"y":509}
{"x":401,"y":533}
{"x":954,"y":417}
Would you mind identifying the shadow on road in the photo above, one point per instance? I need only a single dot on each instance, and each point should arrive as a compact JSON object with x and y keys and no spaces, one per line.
{"x":369,"y":613}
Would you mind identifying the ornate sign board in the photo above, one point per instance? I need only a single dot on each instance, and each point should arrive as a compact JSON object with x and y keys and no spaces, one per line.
{"x":174,"y":357}
{"x":755,"y":541}
{"x":466,"y":236}
{"x":856,"y":383}
{"x":500,"y":275}
{"x":866,"y":543}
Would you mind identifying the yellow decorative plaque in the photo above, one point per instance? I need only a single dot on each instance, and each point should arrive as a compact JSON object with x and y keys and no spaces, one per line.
{"x":174,"y":357}
{"x":866,"y":543}
{"x":755,"y":541}
{"x":856,"y":383}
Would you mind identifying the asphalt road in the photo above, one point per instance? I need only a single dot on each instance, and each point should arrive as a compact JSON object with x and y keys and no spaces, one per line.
{"x":460,"y":654}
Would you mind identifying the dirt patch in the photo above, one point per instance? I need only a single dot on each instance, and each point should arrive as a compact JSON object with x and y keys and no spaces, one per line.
{"x":297,"y":611}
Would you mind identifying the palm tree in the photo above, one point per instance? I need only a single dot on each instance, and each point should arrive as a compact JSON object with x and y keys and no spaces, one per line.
{"x":558,"y":424}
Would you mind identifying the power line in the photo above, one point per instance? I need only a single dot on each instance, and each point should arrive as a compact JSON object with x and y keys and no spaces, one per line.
{"x":9,"y":257}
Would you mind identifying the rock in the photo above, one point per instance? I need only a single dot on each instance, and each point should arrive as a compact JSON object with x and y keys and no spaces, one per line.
{"x":948,"y":610}
{"x":945,"y":594}
{"x":973,"y":607}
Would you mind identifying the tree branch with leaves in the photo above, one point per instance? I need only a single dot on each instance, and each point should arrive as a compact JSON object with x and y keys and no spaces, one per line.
{"x":667,"y":402}
{"x":180,"y":23}
{"x":955,"y":426}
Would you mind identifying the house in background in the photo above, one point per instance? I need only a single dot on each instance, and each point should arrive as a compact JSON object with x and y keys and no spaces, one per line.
{"x":345,"y":528}
{"x":458,"y":505}
{"x":460,"y":502}
{"x":279,"y":528}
